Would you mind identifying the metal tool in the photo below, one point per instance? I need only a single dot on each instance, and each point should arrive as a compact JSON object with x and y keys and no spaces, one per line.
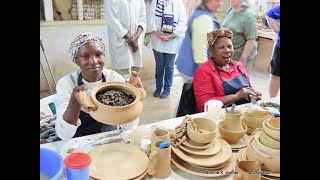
{"x":232,"y":107}
{"x":45,"y":56}
{"x":253,"y":100}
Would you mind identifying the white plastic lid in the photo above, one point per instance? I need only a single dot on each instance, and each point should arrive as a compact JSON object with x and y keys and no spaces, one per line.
{"x":145,"y":143}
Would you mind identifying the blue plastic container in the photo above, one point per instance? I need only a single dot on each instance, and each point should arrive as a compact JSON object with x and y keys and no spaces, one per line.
{"x":77,"y":166}
{"x":51,"y":163}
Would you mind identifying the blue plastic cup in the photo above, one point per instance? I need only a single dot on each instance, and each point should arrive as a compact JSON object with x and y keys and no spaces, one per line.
{"x":77,"y":166}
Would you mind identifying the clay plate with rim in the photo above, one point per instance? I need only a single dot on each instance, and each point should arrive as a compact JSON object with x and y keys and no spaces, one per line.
{"x":186,"y":167}
{"x":117,"y":161}
{"x":189,"y":143}
{"x":241,"y":143}
{"x":141,"y":176}
{"x":220,"y":166}
{"x":212,"y":150}
{"x":206,"y":161}
{"x":269,"y":178}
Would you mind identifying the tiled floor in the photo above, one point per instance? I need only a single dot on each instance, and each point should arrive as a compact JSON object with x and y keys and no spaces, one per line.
{"x":156,"y":109}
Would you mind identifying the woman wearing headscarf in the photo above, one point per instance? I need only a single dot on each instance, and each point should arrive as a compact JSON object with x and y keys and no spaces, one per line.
{"x":222,"y":78}
{"x":88,"y":52}
{"x":194,"y":49}
{"x":241,"y":20}
{"x":167,"y":23}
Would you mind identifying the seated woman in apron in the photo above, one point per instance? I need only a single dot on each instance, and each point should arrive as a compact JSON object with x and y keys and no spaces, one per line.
{"x":88,"y":52}
{"x":222,"y":78}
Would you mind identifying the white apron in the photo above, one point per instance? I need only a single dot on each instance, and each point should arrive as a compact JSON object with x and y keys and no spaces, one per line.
{"x":125,"y":16}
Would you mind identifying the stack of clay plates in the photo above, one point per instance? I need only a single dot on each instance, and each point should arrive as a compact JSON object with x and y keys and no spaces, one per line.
{"x":118,"y":161}
{"x":206,"y":160}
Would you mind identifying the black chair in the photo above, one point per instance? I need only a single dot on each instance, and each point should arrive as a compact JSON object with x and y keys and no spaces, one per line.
{"x":187,"y":104}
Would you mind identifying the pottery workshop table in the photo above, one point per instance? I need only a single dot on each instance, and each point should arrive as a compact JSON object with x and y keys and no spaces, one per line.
{"x":87,"y":143}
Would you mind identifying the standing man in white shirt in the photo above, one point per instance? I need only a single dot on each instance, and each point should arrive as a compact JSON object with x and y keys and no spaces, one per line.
{"x":168,"y":25}
{"x":88,"y":52}
{"x":126,"y":24}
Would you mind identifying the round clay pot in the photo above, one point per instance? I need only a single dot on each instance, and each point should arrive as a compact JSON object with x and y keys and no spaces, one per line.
{"x":231,"y":137}
{"x":269,"y":141}
{"x":275,"y":134}
{"x":208,"y":128}
{"x":258,"y":146}
{"x":267,"y":163}
{"x":114,"y":115}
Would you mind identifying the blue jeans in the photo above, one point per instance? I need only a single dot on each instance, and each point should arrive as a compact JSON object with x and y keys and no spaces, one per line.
{"x":164,"y":66}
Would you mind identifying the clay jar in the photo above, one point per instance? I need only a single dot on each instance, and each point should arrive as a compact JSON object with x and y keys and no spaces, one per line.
{"x":114,"y":115}
{"x":159,"y":161}
{"x":248,"y":170}
{"x":232,"y":121}
{"x":160,"y":135}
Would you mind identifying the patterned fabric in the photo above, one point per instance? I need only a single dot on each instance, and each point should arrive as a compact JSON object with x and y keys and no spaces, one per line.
{"x":214,"y":35}
{"x":81,"y":40}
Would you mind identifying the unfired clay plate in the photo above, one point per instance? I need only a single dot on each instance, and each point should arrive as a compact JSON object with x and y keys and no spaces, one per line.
{"x":210,"y":151}
{"x":117,"y":161}
{"x":141,"y":176}
{"x":189,"y":143}
{"x":184,"y":166}
{"x":241,"y":143}
{"x":206,"y":161}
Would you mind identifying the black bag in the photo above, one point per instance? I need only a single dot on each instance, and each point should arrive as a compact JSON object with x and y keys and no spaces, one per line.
{"x":187,"y":104}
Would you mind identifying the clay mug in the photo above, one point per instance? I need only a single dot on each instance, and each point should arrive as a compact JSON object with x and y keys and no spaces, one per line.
{"x":248,"y":170}
{"x":159,"y":165}
{"x":160,"y":135}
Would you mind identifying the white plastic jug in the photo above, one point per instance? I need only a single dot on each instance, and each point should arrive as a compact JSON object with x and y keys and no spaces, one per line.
{"x":213,"y":109}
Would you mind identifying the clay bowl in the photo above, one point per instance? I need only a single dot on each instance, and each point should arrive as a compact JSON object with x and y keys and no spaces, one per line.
{"x":258,"y":146}
{"x":275,"y":134}
{"x":266,"y":140}
{"x":250,"y":124}
{"x":114,"y":115}
{"x":267,"y":163}
{"x":254,"y":119}
{"x":231,"y":137}
{"x":208,"y":130}
{"x":259,"y":113}
{"x":274,"y":123}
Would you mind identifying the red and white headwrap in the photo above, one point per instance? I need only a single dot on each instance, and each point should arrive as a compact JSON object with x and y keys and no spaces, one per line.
{"x":81,"y":40}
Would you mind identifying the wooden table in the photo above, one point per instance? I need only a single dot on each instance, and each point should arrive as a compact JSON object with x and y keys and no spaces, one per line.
{"x":87,"y":143}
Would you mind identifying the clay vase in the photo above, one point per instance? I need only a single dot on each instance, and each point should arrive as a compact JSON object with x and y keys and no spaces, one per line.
{"x":114,"y":115}
{"x":248,"y":170}
{"x":160,"y":135}
{"x":232,"y":121}
{"x":159,"y":161}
